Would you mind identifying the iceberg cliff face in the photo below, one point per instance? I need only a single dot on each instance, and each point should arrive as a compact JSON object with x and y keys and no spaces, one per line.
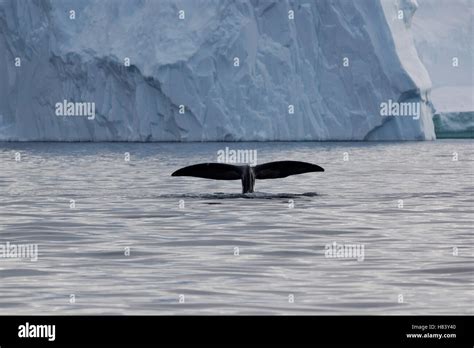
{"x":443,"y":38}
{"x":205,"y":70}
{"x":443,"y":32}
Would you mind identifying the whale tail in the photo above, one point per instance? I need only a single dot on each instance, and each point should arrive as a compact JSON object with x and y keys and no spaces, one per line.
{"x":270,"y":170}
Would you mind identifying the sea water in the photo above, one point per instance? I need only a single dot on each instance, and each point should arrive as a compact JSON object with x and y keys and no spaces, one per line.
{"x":386,"y":229}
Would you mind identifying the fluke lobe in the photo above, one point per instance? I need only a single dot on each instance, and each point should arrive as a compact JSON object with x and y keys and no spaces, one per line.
{"x":246,"y":173}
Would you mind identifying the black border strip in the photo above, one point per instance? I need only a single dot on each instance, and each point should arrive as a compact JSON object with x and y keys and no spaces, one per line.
{"x":241,"y":330}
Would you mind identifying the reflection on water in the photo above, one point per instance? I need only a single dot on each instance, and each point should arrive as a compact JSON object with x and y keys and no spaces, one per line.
{"x":127,"y":238}
{"x":254,"y":195}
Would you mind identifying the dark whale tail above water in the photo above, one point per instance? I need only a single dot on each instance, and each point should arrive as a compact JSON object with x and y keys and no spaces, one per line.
{"x":271,"y":170}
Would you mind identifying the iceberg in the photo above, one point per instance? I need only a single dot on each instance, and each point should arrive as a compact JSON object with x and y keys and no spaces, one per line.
{"x":443,"y":38}
{"x":454,"y":112}
{"x":211,"y":70}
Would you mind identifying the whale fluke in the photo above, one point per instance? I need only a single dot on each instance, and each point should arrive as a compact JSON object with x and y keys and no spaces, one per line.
{"x":216,"y":171}
{"x":282,"y":169}
{"x":271,"y":170}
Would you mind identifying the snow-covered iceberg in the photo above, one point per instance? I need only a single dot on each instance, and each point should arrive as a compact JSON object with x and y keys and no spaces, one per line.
{"x":205,"y":70}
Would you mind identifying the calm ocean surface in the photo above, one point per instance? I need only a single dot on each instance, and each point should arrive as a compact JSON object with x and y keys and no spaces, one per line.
{"x":219,"y":252}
